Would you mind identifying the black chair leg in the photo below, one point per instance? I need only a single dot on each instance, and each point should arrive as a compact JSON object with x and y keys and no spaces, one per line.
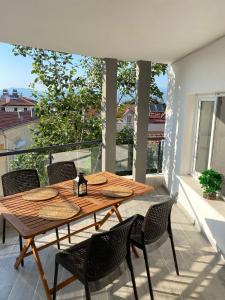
{"x":57,"y":237}
{"x":174,"y":254}
{"x":148,"y":273}
{"x":129,"y":262}
{"x":87,"y":292}
{"x":69,"y":238}
{"x":3,"y":230}
{"x":95,"y":220}
{"x":55,"y":280}
{"x":21,"y":248}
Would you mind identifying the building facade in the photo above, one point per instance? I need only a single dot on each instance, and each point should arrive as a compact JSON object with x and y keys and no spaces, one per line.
{"x":15,"y":102}
{"x":15,"y":134}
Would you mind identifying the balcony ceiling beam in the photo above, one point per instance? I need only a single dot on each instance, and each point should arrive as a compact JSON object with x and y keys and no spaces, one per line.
{"x":160,"y":31}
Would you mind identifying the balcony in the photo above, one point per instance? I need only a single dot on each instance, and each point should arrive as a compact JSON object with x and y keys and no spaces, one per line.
{"x":87,"y":157}
{"x":201,"y":269}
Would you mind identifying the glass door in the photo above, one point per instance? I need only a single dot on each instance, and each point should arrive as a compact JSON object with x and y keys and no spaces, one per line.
{"x":205,"y":132}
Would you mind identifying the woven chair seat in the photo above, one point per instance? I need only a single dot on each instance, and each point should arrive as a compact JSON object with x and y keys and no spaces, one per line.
{"x":99,"y":260}
{"x":73,"y":258}
{"x":151,"y":231}
{"x":137,"y":228}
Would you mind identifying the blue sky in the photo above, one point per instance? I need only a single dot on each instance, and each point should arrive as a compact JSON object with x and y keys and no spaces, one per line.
{"x":15,"y":71}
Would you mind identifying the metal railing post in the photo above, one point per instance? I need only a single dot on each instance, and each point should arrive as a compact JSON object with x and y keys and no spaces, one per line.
{"x":159,"y":157}
{"x":50,"y":158}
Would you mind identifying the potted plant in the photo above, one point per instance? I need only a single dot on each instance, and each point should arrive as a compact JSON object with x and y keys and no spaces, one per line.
{"x":211,"y":182}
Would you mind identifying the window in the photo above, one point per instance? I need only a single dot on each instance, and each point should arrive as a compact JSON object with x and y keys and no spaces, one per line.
{"x":25,"y":109}
{"x":15,"y":108}
{"x":205,"y":134}
{"x":2,"y":108}
{"x":129,"y":119}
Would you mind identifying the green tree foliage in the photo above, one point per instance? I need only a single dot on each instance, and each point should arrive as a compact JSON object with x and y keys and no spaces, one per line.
{"x":126,"y":77}
{"x":125,"y":136}
{"x":63,"y":108}
{"x":31,"y":161}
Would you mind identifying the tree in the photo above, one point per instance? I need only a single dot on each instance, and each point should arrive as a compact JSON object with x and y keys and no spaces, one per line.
{"x":126,"y":77}
{"x":125,"y":136}
{"x":68,"y":95}
{"x":63,"y":107}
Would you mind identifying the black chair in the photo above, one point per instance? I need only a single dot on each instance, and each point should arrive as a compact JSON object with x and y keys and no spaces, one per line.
{"x":59,"y":172}
{"x":153,"y":230}
{"x":16,"y":182}
{"x":98,"y":257}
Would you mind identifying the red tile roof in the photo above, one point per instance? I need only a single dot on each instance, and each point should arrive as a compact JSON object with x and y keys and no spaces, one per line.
{"x":156,"y":135}
{"x":12,"y":119}
{"x":20,"y":101}
{"x":154,"y":117}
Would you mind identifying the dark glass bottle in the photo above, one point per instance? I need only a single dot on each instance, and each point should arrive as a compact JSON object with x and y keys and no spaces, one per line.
{"x":80,"y":185}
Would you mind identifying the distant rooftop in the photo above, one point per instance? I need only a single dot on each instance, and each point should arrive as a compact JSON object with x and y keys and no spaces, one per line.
{"x":14,"y":99}
{"x":156,"y":112}
{"x":12,"y":119}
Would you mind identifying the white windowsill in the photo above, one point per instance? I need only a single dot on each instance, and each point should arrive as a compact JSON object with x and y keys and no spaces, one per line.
{"x":218,"y":205}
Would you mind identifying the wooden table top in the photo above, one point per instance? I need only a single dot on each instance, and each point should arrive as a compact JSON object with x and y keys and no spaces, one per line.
{"x":23,"y":215}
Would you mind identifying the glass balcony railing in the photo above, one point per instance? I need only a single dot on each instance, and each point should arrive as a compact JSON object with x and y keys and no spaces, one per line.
{"x":86,"y":156}
{"x":124,"y":157}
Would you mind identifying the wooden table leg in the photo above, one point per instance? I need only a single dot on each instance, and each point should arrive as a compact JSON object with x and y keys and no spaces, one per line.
{"x":115,"y":208}
{"x":106,"y":217}
{"x":40,"y":270}
{"x":20,"y":258}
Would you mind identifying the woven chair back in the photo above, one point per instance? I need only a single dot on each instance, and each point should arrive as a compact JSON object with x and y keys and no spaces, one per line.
{"x":19,"y":181}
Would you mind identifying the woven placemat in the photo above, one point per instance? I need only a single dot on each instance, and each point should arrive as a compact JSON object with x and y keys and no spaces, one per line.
{"x":116,"y":191}
{"x":59,"y":211}
{"x":95,"y":180}
{"x":40,"y":194}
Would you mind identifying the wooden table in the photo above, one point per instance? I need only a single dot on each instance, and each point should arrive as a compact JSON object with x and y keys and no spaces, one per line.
{"x":23,"y":215}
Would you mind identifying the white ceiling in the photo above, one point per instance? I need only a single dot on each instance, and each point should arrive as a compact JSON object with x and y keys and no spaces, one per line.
{"x":157,"y":30}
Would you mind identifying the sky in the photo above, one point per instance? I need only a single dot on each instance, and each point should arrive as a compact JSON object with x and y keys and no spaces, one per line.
{"x":15,"y":71}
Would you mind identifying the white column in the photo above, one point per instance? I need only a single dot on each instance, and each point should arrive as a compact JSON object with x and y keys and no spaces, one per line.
{"x":108,"y":114}
{"x":143,"y":73}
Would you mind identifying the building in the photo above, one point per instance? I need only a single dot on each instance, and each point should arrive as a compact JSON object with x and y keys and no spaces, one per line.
{"x":195,"y":134}
{"x":190,"y":37}
{"x":156,"y":120}
{"x":15,"y":134}
{"x":15,"y":102}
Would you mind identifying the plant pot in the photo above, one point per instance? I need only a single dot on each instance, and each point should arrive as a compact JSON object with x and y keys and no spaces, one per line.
{"x":210,"y":196}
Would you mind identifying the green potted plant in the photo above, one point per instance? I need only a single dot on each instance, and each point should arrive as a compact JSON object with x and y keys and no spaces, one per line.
{"x":211,"y":182}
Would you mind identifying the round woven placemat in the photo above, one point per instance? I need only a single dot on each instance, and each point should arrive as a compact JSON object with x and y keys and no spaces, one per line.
{"x":59,"y":211}
{"x":94,"y":180}
{"x":40,"y":194}
{"x":116,"y":191}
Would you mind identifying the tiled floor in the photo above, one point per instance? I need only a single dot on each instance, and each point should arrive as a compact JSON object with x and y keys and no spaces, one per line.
{"x":202,"y":272}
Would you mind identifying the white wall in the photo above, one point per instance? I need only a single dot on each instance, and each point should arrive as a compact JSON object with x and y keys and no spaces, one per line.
{"x":19,"y":108}
{"x":9,"y":139}
{"x":156,"y":127}
{"x":199,"y":72}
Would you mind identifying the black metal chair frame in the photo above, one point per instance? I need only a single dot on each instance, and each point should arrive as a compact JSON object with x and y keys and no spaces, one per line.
{"x":95,"y":267}
{"x":62,"y":171}
{"x":14,"y":182}
{"x":59,"y":172}
{"x":164,"y":234}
